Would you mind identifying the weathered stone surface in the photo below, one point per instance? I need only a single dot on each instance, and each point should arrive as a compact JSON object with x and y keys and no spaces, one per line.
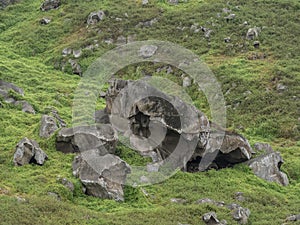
{"x":267,"y":167}
{"x":4,"y":3}
{"x":293,"y":218}
{"x":50,"y":4}
{"x":147,"y":23}
{"x":101,"y":116}
{"x":28,"y":151}
{"x":252,"y":33}
{"x":5,"y":87}
{"x":174,"y":2}
{"x":147,"y":51}
{"x":239,"y":196}
{"x":187,"y":82}
{"x":77,"y":53}
{"x":178,"y":200}
{"x":48,"y":126}
{"x":26,"y":107}
{"x":79,"y":139}
{"x":95,"y":17}
{"x":102,"y":175}
{"x":145,"y":2}
{"x":68,"y":184}
{"x":241,"y":214}
{"x":263,"y":147}
{"x":154,"y":123}
{"x":210,"y":218}
{"x":67,"y":51}
{"x":45,"y":21}
{"x":230,"y":17}
{"x":76,"y":68}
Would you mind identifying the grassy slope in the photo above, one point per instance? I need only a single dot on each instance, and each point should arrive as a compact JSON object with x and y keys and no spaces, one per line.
{"x":29,"y":52}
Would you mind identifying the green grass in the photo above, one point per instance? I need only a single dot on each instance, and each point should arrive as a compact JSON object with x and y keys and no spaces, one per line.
{"x":30,"y":57}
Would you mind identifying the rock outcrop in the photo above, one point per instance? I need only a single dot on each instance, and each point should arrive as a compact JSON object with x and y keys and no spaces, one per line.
{"x":28,"y":151}
{"x":155,"y":124}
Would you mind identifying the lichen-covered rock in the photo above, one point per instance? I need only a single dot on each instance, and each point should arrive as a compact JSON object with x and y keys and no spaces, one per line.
{"x":79,"y":139}
{"x":28,"y":151}
{"x":103,"y":176}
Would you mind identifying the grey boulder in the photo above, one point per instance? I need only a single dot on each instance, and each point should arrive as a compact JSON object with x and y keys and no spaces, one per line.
{"x":103,"y":176}
{"x":79,"y":139}
{"x":48,"y":126}
{"x":267,"y":167}
{"x":28,"y":151}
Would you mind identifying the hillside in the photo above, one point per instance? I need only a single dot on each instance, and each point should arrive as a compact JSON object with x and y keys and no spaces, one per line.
{"x":259,"y":77}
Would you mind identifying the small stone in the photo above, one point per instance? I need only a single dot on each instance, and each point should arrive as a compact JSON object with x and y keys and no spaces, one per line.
{"x":187,"y":82}
{"x":66,"y":51}
{"x":77,"y":53}
{"x":68,"y":184}
{"x":45,"y":21}
{"x":174,"y":2}
{"x":210,"y":218}
{"x":178,"y":200}
{"x":145,"y":2}
{"x":48,"y":126}
{"x":205,"y":200}
{"x":241,"y":214}
{"x":252,"y":33}
{"x":230,"y":17}
{"x":239,"y":196}
{"x":121,"y":40}
{"x":227,"y":39}
{"x":281,"y":88}
{"x":50,"y":4}
{"x":54,"y":195}
{"x":256,"y":44}
{"x":95,"y":17}
{"x":148,"y":51}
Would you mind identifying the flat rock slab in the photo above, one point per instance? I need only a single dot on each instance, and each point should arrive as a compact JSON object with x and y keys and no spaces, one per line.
{"x":79,"y":139}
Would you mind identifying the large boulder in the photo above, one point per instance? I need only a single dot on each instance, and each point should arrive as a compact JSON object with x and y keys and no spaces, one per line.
{"x":50,"y":4}
{"x":48,"y":126}
{"x":28,"y":151}
{"x":153,"y":120}
{"x":267,"y":167}
{"x":103,"y":176}
{"x":79,"y":139}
